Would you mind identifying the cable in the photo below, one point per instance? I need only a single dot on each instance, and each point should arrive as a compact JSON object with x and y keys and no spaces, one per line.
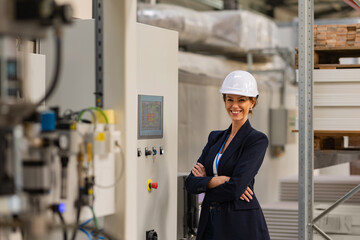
{"x":96,"y":109}
{"x":63,"y":223}
{"x":88,"y":228}
{"x":97,"y":236}
{"x":118,"y":178}
{"x":86,"y":232}
{"x":94,"y":217}
{"x":95,"y":233}
{"x":77,"y":219}
{"x":59,"y":209}
{"x":56,"y":75}
{"x":92,"y":233}
{"x":87,"y":110}
{"x":86,"y":222}
{"x":92,"y":115}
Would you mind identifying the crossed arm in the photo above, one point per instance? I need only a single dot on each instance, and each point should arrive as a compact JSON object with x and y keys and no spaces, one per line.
{"x":199,"y":171}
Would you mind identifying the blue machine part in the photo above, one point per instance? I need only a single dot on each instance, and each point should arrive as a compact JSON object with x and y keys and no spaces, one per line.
{"x":62,"y":207}
{"x":48,"y":121}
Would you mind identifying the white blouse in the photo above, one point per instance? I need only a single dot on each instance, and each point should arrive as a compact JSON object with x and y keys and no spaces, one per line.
{"x":214,"y":164}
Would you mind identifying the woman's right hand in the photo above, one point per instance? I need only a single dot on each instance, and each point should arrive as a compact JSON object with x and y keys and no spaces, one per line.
{"x":247,"y":195}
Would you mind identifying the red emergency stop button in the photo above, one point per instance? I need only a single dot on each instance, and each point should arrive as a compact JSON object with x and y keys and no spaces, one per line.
{"x":154,"y":185}
{"x":151,"y":185}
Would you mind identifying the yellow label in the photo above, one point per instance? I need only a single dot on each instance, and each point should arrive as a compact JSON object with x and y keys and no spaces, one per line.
{"x":100,"y":136}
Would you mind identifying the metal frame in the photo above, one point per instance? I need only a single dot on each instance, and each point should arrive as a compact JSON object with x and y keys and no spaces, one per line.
{"x":329,"y":209}
{"x":99,"y":51}
{"x":306,"y":133}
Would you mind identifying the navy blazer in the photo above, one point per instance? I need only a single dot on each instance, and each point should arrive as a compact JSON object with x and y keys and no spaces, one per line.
{"x":234,"y":219}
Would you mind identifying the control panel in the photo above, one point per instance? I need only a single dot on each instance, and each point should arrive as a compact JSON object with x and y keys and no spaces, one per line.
{"x":156,"y":151}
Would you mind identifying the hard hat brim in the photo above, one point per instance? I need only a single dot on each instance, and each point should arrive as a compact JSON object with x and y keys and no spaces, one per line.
{"x":237,"y":92}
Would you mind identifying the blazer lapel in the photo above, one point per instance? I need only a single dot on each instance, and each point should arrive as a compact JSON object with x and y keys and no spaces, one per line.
{"x":214,"y":149}
{"x":235,"y":143}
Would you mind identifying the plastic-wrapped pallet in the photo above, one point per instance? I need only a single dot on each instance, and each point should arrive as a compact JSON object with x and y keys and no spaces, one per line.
{"x":216,"y":67}
{"x":242,"y":29}
{"x":343,"y":223}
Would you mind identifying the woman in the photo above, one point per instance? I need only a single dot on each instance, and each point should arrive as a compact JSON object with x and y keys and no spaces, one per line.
{"x":227,"y":166}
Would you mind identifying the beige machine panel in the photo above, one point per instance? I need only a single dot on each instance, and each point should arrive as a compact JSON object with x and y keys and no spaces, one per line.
{"x":157,"y":77}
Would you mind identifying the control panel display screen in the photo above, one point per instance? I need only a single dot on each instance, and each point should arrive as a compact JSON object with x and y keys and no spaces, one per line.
{"x":150,"y":117}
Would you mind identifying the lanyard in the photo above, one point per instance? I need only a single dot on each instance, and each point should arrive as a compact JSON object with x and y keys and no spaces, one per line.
{"x":217,"y":159}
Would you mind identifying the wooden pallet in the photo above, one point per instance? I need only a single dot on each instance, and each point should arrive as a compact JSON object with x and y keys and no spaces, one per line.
{"x":334,"y":140}
{"x":329,"y":57}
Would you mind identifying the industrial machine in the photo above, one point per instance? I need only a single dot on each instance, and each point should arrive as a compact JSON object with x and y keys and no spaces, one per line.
{"x":61,"y":170}
{"x":36,"y":145}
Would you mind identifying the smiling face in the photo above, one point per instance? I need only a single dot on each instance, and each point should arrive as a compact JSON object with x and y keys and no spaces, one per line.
{"x":238,"y":107}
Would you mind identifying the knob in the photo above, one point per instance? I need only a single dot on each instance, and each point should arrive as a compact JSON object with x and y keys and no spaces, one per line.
{"x":154,"y":151}
{"x":154,"y":185}
{"x":151,"y":185}
{"x":139,"y":153}
{"x":148,"y":152}
{"x":162,"y":151}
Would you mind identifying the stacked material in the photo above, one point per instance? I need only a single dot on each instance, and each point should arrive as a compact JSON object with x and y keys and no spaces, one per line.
{"x":341,"y":223}
{"x":337,"y":35}
{"x":282,"y":220}
{"x":239,"y":30}
{"x":337,"y":91}
{"x":326,"y":188}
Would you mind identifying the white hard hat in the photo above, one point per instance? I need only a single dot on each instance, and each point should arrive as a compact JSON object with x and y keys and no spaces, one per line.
{"x":240,"y":83}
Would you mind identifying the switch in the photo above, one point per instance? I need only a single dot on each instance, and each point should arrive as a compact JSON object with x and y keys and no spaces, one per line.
{"x":151,"y":185}
{"x":154,"y":151}
{"x":162,"y":151}
{"x":139,"y":153}
{"x":147,"y":152}
{"x":151,"y":235}
{"x":154,"y":185}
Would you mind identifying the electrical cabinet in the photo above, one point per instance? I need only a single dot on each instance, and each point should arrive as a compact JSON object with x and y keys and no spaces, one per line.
{"x":282,"y":124}
{"x":156,"y":156}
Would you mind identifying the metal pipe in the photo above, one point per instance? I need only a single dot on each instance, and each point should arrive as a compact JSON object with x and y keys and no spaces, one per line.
{"x":322,"y":233}
{"x":306,"y":133}
{"x":17,"y":157}
{"x":250,"y":61}
{"x":343,"y":199}
{"x":282,"y":90}
{"x":3,"y":72}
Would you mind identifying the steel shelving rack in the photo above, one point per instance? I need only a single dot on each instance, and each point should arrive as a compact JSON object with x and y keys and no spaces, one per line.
{"x":307,"y":223}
